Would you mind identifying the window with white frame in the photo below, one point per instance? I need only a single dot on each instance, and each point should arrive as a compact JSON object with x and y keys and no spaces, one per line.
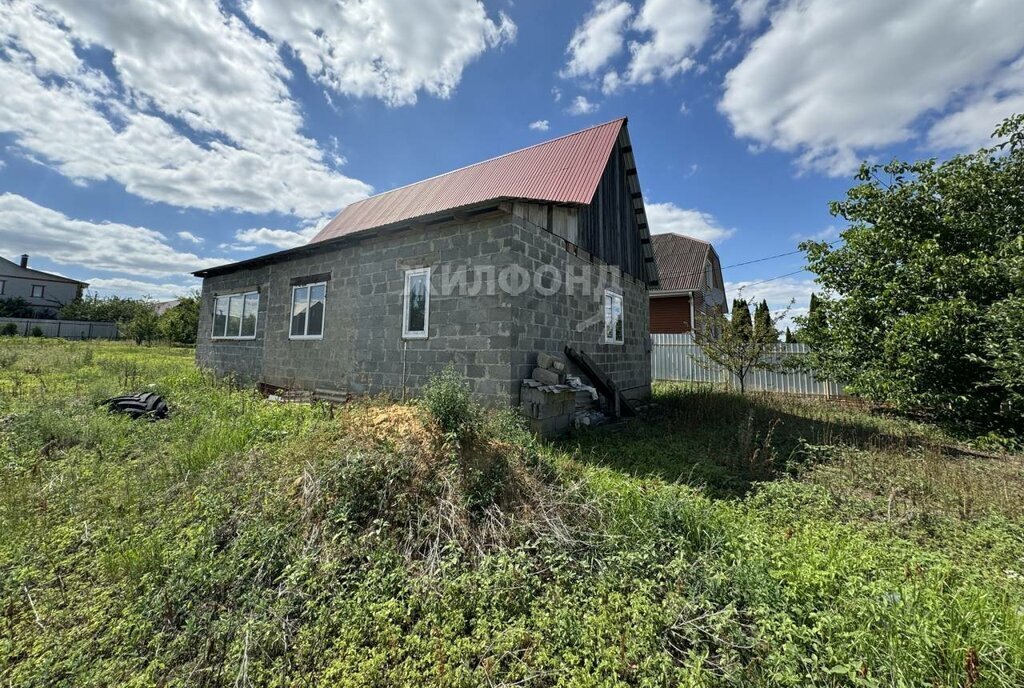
{"x":416,"y":311}
{"x":613,"y":325}
{"x":308,"y":302}
{"x":234,"y":315}
{"x":37,"y":291}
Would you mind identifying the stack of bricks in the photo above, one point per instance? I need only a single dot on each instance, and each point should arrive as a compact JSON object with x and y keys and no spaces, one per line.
{"x":546,"y":401}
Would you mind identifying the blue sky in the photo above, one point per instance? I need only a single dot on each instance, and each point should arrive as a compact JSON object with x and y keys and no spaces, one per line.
{"x":140,"y":144}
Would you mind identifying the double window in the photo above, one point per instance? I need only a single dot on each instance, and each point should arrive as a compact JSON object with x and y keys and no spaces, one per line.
{"x":234,"y":315}
{"x":416,"y":311}
{"x":613,"y":325}
{"x":37,"y":291}
{"x":308,"y":311}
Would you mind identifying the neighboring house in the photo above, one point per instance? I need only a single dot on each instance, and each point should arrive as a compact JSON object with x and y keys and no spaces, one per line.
{"x":43,"y":291}
{"x":691,"y":283}
{"x":161,"y":307}
{"x":481,"y":268}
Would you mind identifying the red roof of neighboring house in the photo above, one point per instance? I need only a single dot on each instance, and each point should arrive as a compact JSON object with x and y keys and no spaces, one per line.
{"x":563,"y":170}
{"x":680,"y":261}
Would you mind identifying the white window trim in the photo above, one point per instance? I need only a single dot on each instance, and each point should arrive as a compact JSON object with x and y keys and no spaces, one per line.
{"x":42,"y":291}
{"x":256,"y":327}
{"x":622,"y":310}
{"x":418,"y":334}
{"x":291,"y":313}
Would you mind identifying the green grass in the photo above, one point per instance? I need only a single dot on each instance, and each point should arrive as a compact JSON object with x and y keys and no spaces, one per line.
{"x":720,"y":540}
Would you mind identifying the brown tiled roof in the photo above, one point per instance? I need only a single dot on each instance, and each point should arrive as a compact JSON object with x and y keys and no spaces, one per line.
{"x":563,"y":170}
{"x":680,"y":261}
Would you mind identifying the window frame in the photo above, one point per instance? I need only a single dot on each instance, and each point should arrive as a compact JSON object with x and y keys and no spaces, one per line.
{"x":291,"y":312}
{"x":42,"y":291}
{"x":709,"y":274}
{"x":425,"y":332}
{"x":610,"y":294}
{"x":3,"y":286}
{"x":241,"y":318}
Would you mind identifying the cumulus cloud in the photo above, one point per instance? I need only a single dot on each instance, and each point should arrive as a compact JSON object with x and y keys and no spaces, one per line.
{"x":108,"y":246}
{"x":970,"y":126}
{"x":664,"y":218}
{"x":540,"y":125}
{"x":278,"y":238}
{"x":779,"y":294}
{"x":598,"y":39}
{"x":189,"y":236}
{"x":139,"y":289}
{"x":834,"y":82}
{"x":666,"y":35}
{"x":750,"y":12}
{"x":197,"y":65}
{"x":387,"y":49}
{"x":581,"y":106}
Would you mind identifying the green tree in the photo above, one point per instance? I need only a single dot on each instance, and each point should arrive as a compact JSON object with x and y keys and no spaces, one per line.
{"x":738,"y":349}
{"x":181,"y":323}
{"x":144,"y":327}
{"x":922,"y":301}
{"x":763,"y":325}
{"x":93,"y":308}
{"x":16,"y":307}
{"x":740,"y":323}
{"x":790,"y":337}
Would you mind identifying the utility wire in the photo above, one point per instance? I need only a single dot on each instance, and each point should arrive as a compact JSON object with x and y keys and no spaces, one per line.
{"x":683,"y":273}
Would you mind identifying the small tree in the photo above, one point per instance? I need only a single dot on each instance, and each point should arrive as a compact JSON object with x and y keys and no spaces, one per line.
{"x":181,"y":323}
{"x":739,"y":350}
{"x":790,"y":337}
{"x":16,"y":307}
{"x":144,"y":327}
{"x":8,"y":330}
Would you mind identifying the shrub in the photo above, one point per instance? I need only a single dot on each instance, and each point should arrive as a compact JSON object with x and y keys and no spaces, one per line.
{"x":37,"y":331}
{"x":8,"y":330}
{"x":447,"y":398}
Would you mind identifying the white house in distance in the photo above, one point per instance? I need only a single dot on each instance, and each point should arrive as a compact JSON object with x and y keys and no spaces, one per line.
{"x":691,"y":283}
{"x":43,"y":291}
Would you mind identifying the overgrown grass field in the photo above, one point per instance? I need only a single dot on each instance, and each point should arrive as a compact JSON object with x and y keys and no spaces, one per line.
{"x":720,"y":540}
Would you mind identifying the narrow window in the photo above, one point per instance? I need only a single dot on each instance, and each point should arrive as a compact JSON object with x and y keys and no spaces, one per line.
{"x":416,"y":311}
{"x":37,"y":291}
{"x":3,"y":284}
{"x":613,"y":326}
{"x":308,"y":311}
{"x":234,"y":315}
{"x":709,"y":274}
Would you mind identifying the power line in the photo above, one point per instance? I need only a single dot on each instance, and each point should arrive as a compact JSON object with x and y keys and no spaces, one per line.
{"x":682,"y":273}
{"x":772,"y":279}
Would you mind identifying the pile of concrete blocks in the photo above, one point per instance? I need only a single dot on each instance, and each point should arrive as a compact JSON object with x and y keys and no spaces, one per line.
{"x":547,"y":402}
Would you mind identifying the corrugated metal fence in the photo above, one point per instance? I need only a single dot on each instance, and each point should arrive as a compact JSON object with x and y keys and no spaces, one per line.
{"x":65,"y":329}
{"x":677,"y":357}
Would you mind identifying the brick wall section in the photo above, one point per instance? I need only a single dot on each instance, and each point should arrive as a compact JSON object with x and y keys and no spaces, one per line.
{"x":362,"y":350}
{"x":575,"y":317}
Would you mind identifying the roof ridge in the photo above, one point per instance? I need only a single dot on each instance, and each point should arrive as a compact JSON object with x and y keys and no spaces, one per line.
{"x":491,"y":159}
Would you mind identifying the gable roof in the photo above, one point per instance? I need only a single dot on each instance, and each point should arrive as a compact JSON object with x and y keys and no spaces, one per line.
{"x":8,"y":268}
{"x":680,"y":261}
{"x":563,"y":170}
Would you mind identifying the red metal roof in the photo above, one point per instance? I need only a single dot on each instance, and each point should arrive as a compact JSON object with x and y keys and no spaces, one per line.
{"x":563,"y":170}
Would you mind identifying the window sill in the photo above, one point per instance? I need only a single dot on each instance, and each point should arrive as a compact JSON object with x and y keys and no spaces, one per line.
{"x":305,"y":337}
{"x":415,"y":335}
{"x":233,"y":339}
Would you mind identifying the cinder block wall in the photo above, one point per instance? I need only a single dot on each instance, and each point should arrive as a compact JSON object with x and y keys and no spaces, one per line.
{"x":362,"y":350}
{"x":549,"y":323}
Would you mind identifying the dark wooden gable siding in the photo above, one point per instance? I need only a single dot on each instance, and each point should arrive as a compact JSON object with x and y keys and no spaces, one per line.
{"x":608,"y":227}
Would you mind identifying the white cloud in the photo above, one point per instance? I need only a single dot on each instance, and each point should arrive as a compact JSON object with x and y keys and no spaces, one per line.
{"x":830,"y":233}
{"x":971,"y":126}
{"x":556,"y":93}
{"x":667,"y":34}
{"x":581,"y":106}
{"x":137,"y":289}
{"x":387,"y":49}
{"x":105,"y":246}
{"x":278,"y":238}
{"x":540,"y":125}
{"x":833,"y":82}
{"x":668,"y":217}
{"x":189,"y":236}
{"x":678,"y":29}
{"x":598,"y":39}
{"x":196,"y":65}
{"x":750,"y":12}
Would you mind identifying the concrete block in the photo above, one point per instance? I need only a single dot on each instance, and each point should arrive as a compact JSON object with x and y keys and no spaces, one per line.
{"x":548,"y":377}
{"x":550,"y":362}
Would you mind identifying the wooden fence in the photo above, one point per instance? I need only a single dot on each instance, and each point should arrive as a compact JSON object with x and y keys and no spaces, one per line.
{"x":676,"y":357}
{"x":64,"y":329}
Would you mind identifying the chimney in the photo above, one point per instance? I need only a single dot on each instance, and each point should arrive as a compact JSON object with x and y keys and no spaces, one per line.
{"x":24,"y":260}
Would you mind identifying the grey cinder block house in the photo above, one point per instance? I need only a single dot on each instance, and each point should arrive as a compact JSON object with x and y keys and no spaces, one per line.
{"x":44,"y":292}
{"x":482,"y":268}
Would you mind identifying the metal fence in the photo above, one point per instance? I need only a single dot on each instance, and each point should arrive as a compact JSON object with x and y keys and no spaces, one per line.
{"x":677,"y":357}
{"x":65,"y":329}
